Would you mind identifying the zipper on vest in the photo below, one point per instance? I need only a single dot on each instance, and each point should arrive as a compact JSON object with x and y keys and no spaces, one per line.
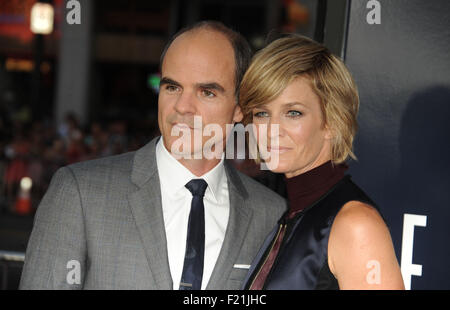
{"x":289,"y":225}
{"x":268,"y":253}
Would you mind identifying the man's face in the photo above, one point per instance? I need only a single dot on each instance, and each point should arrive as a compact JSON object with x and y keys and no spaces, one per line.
{"x":197,"y":80}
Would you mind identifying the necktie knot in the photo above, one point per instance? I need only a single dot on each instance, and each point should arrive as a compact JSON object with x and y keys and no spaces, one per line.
{"x":197,"y":187}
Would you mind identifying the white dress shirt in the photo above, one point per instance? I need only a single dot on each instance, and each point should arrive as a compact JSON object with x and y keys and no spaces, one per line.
{"x":176,"y":205}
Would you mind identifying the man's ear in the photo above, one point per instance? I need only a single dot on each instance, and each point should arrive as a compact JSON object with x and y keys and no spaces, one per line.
{"x":237,"y":114}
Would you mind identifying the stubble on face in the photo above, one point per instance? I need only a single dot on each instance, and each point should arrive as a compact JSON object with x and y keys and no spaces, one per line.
{"x":200,"y":64}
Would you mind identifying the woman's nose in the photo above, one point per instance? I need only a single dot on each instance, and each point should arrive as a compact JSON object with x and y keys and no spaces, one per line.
{"x":275,"y":128}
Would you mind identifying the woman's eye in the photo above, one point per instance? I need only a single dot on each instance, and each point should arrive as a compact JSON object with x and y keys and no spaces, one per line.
{"x":260,"y":114}
{"x":294,"y":113}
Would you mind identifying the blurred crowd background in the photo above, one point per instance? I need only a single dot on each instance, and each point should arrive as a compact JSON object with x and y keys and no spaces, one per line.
{"x":36,"y":149}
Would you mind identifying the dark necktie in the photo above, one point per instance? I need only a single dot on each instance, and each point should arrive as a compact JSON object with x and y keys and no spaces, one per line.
{"x":191,"y":278}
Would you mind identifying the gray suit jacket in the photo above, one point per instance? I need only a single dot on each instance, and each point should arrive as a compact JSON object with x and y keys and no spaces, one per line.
{"x":100,"y":226}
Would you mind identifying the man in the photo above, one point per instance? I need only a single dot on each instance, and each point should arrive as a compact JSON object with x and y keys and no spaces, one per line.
{"x":137,"y":220}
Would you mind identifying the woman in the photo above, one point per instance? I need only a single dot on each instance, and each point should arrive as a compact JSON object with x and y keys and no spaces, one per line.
{"x":332,"y":236}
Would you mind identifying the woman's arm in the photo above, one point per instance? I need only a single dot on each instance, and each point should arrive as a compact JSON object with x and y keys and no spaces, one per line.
{"x":360,"y":250}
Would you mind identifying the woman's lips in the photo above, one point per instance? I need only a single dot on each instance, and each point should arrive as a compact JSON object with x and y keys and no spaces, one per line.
{"x":278,"y":149}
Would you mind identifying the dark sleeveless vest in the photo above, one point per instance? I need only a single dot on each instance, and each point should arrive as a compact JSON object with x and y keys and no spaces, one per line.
{"x":302,"y":261}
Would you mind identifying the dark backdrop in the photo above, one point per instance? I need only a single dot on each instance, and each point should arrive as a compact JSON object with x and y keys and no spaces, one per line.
{"x":402,"y":68}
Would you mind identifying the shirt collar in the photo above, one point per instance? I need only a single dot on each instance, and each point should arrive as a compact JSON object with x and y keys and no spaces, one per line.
{"x":174,"y":176}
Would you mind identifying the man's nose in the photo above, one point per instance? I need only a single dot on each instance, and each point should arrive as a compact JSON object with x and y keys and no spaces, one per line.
{"x":185,"y":103}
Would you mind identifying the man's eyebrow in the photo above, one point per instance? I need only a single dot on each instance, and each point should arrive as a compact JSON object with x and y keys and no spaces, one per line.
{"x":212,"y":86}
{"x":166,"y":80}
{"x":207,"y":85}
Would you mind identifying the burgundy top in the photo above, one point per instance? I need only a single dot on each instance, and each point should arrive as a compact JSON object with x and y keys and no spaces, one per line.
{"x":303,"y":190}
{"x":306,"y":188}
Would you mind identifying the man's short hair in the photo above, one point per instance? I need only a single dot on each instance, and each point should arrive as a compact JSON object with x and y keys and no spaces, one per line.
{"x":241,"y":48}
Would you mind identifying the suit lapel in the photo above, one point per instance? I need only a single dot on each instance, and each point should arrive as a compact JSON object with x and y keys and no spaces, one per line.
{"x":146,"y":207}
{"x":145,"y":204}
{"x":237,"y":227}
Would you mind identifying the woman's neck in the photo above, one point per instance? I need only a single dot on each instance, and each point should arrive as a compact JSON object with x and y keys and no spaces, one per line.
{"x":306,"y":188}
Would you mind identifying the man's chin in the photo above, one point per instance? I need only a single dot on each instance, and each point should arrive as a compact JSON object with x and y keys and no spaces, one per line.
{"x":180,"y":151}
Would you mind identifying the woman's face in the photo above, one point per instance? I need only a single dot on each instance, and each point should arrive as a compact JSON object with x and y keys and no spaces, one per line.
{"x":303,"y":141}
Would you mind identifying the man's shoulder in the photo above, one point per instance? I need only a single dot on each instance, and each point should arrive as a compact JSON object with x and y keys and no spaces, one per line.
{"x":120,"y":163}
{"x":99,"y":176}
{"x":103,"y":172}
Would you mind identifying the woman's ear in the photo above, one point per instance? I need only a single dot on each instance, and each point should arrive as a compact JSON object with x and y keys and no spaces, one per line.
{"x":329,"y":133}
{"x":237,"y":115}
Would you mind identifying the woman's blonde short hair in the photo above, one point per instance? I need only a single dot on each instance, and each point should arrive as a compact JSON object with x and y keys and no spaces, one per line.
{"x":283,"y":60}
